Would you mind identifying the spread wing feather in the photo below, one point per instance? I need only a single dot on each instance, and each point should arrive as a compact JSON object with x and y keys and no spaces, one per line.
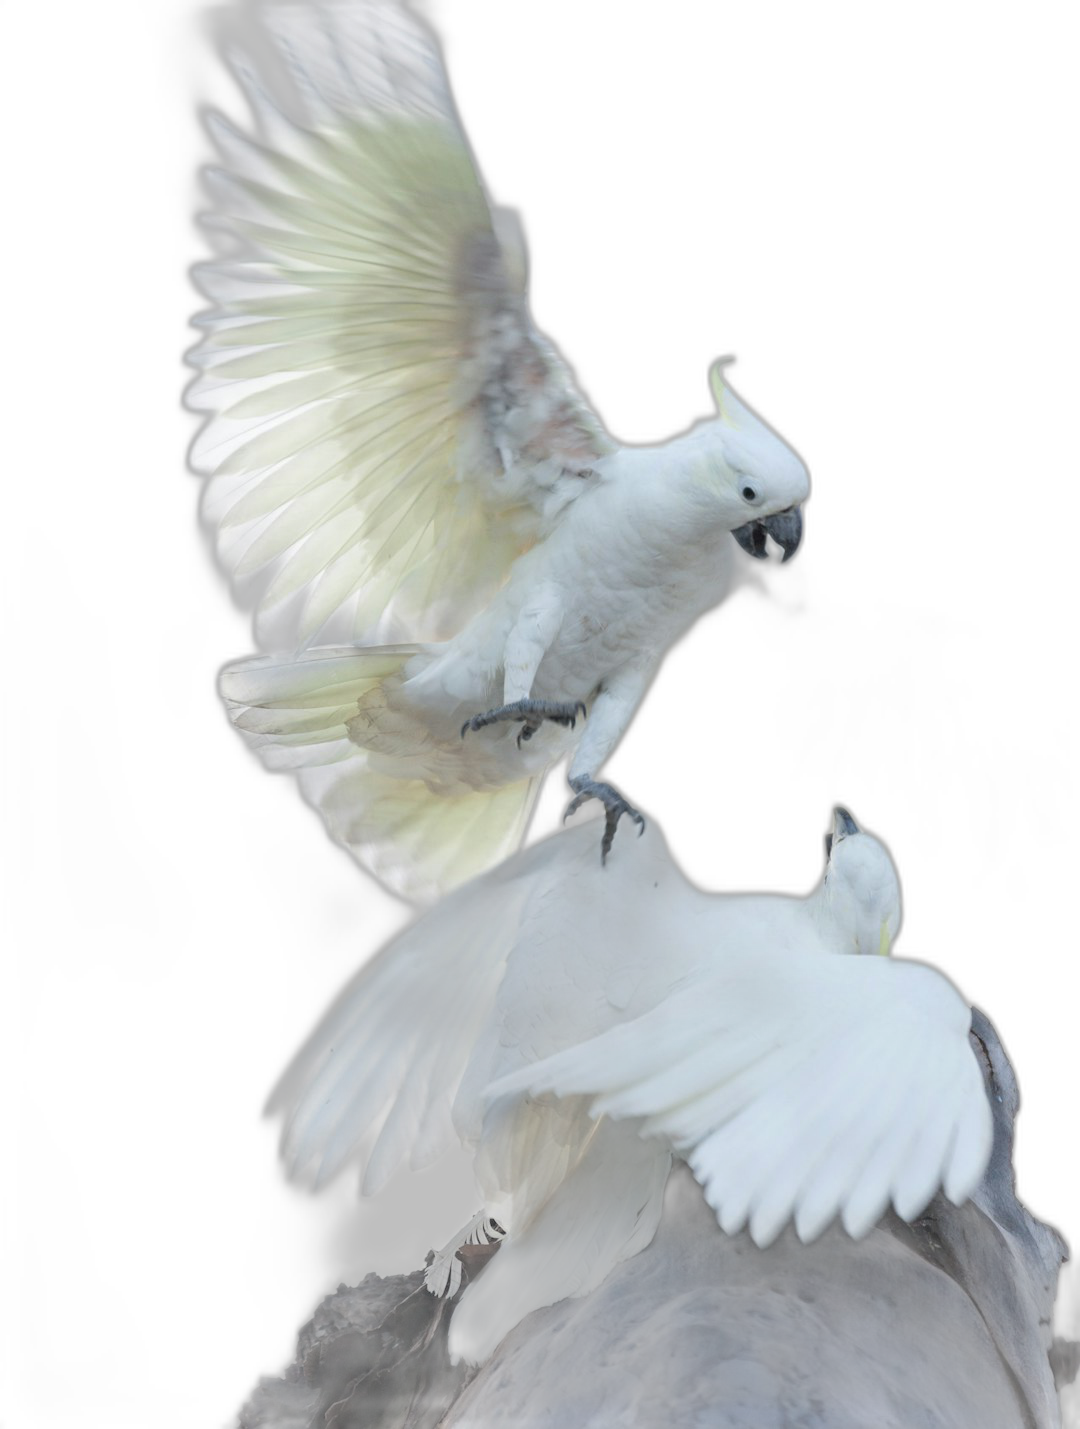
{"x":797,"y":1088}
{"x":377,"y":1080}
{"x":386,"y":1060}
{"x":387,"y":430}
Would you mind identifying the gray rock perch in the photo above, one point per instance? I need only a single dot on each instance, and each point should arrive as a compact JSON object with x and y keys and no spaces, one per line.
{"x":946,"y":1323}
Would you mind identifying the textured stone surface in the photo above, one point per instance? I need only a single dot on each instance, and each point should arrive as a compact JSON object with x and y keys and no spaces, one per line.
{"x":944,"y":1324}
{"x":374,"y":1355}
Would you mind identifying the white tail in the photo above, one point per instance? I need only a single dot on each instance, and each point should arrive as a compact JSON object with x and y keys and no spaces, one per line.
{"x":361,"y":761}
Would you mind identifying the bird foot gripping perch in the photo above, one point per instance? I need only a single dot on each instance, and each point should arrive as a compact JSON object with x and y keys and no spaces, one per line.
{"x":614,"y":807}
{"x":531,"y":714}
{"x":473,"y":1246}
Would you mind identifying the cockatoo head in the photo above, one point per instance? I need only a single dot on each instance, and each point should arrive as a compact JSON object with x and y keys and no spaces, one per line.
{"x":760,"y":481}
{"x":861,"y":890}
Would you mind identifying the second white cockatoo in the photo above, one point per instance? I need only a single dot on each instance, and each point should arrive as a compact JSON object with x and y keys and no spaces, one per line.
{"x":394,"y":451}
{"x":577,"y":1027}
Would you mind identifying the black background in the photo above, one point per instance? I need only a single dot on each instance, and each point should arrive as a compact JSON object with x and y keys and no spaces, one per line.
{"x":863,"y":213}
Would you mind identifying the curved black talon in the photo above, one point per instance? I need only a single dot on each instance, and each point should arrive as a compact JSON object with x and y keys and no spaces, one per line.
{"x":614,"y":807}
{"x":531,"y":713}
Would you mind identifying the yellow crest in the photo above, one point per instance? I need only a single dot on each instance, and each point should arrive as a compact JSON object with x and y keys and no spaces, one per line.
{"x":728,"y":407}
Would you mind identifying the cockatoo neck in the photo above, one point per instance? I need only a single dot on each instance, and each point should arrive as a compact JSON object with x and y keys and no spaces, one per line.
{"x":856,"y":906}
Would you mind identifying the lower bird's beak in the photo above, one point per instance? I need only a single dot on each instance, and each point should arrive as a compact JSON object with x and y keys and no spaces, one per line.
{"x":785,"y":528}
{"x":842,"y":825}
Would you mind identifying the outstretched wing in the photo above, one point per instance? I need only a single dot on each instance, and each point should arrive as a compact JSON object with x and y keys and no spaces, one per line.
{"x":797,"y":1087}
{"x":395,"y":1071}
{"x":388,"y":431}
{"x":376,"y":1079}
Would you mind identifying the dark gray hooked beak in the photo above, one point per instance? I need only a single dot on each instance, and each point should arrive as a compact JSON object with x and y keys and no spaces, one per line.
{"x":842,"y":825}
{"x":785,"y":528}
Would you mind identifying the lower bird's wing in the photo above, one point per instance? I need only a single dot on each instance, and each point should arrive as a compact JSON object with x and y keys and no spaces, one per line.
{"x":796,"y":1087}
{"x":377,"y":1080}
{"x":584,"y":959}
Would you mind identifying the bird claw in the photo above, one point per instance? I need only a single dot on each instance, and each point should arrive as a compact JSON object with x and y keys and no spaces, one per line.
{"x":614,"y":808}
{"x":531,"y":714}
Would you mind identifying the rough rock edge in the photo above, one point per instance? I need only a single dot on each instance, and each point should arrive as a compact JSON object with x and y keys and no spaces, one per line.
{"x":373,"y":1354}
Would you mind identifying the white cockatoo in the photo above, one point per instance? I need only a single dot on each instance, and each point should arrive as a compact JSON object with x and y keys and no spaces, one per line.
{"x":395,"y":452}
{"x":577,"y":1027}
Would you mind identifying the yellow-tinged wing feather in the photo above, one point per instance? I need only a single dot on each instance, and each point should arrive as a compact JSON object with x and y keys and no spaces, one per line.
{"x":387,"y":429}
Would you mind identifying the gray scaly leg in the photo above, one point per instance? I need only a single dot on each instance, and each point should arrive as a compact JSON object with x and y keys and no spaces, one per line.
{"x":614,"y":807}
{"x":529,"y":713}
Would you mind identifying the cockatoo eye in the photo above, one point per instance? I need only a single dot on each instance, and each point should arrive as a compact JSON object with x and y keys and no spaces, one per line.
{"x":749,"y":493}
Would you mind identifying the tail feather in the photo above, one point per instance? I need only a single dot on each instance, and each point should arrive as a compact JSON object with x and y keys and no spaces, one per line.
{"x":316,"y":680}
{"x":364,"y":761}
{"x":418,"y":843}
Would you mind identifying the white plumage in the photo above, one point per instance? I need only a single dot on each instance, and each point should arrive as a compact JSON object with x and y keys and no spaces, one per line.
{"x":577,"y":1026}
{"x":395,"y":452}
